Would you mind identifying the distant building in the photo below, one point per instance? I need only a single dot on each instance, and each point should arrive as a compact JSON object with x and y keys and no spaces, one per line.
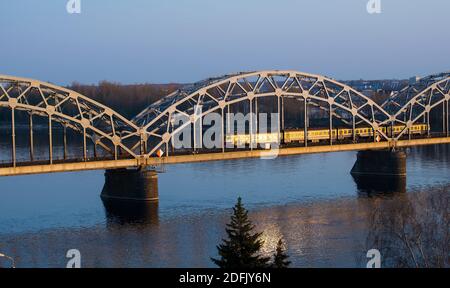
{"x":414,"y":80}
{"x":377,"y":85}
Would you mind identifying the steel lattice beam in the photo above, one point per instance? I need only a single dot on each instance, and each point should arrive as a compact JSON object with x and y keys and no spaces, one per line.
{"x":151,"y":129}
{"x":94,"y":121}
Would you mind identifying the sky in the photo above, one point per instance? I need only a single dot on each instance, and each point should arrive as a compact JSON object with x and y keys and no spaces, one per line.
{"x":183,"y":41}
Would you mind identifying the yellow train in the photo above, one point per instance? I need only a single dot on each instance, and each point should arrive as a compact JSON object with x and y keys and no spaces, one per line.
{"x":315,"y":135}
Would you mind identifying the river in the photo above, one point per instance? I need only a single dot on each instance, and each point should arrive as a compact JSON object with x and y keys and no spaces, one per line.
{"x":311,"y":201}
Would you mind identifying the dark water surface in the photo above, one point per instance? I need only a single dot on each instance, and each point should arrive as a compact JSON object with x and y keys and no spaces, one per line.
{"x":311,"y":201}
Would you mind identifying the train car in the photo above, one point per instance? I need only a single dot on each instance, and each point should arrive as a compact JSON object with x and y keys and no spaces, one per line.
{"x":339,"y":134}
{"x":317,"y":135}
{"x":260,"y":138}
{"x":293,"y":136}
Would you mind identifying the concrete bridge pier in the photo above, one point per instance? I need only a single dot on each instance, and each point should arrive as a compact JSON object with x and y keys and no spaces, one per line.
{"x":380,"y":163}
{"x":137,"y":184}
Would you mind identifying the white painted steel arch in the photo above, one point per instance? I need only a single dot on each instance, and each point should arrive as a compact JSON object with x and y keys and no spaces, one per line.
{"x":93,"y":120}
{"x":217,"y":93}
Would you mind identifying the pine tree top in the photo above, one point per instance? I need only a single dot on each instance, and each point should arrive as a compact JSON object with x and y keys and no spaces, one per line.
{"x":243,"y":246}
{"x":280,"y":257}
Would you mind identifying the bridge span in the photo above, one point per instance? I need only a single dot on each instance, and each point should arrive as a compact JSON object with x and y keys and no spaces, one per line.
{"x":211,"y":156}
{"x":326,"y":116}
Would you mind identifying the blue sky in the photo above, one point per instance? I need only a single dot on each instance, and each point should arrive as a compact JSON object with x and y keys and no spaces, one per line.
{"x":188,"y":40}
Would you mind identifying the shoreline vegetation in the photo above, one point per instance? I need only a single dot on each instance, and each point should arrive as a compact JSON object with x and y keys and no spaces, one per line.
{"x":412,"y":231}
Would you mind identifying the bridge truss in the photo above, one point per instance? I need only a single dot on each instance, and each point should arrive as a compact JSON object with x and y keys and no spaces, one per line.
{"x":99,"y":124}
{"x":219,"y":94}
{"x":415,"y":102}
{"x":151,"y":131}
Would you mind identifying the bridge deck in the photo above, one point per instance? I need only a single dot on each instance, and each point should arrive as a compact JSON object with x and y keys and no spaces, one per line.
{"x":111,"y":164}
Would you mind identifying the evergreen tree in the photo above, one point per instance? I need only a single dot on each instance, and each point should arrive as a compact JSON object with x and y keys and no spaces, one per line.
{"x":280,"y":257}
{"x":242,"y":248}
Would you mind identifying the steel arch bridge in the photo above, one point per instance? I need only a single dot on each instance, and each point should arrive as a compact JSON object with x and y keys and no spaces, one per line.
{"x":217,"y":94}
{"x":141,"y":140}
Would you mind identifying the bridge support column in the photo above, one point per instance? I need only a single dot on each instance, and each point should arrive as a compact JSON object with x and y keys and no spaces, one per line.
{"x":251,"y":124}
{"x":130,"y":184}
{"x":13,"y":138}
{"x":305,"y":120}
{"x":31,"y":139}
{"x":380,"y":163}
{"x":64,"y":141}
{"x":331,"y":123}
{"x":446,"y":119}
{"x":354,"y":128}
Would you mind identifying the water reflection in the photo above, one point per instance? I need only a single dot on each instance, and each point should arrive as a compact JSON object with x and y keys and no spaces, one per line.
{"x":122,"y":212}
{"x":309,"y":200}
{"x":373,"y":186}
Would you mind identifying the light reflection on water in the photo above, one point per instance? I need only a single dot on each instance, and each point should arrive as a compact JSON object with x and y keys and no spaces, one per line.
{"x":310,"y":200}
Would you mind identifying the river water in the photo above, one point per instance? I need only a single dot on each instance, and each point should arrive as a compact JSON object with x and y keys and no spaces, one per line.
{"x":311,"y":201}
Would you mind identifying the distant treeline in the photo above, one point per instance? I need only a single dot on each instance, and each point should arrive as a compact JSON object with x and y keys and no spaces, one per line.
{"x":128,"y":99}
